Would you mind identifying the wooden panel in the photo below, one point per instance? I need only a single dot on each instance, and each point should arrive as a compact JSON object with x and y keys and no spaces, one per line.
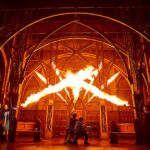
{"x":25,"y":126}
{"x":59,"y":122}
{"x":126,"y":127}
{"x":93,"y":106}
{"x":126,"y":116}
{"x":93,"y":123}
{"x":120,"y":117}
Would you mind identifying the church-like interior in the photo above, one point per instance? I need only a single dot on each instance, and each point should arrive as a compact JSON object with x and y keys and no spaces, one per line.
{"x":89,"y":58}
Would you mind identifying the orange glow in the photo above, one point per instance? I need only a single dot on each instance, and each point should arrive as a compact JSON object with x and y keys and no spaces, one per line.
{"x":77,"y":82}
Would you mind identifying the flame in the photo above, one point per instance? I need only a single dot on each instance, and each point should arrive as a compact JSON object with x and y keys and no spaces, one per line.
{"x":75,"y":81}
{"x":95,"y":75}
{"x":103,"y":95}
{"x":45,"y":81}
{"x":87,"y":74}
{"x":41,"y":77}
{"x":108,"y":82}
{"x":61,"y":97}
{"x":60,"y":78}
{"x":111,"y":79}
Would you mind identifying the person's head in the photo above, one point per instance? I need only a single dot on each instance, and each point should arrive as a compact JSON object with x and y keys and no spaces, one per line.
{"x":81,"y":119}
{"x":74,"y":115}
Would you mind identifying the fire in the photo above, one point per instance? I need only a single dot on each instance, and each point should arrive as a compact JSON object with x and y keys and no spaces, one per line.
{"x":108,"y":82}
{"x":95,"y":74}
{"x":111,"y":79}
{"x":59,"y":75}
{"x":41,"y":77}
{"x":45,"y":81}
{"x":77,"y":82}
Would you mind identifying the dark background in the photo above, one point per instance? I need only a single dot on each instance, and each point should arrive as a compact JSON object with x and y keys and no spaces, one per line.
{"x":69,"y":3}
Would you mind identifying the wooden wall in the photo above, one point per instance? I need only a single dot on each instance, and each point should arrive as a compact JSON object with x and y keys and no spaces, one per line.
{"x":32,"y":116}
{"x":91,"y":116}
{"x":120,"y":117}
{"x":59,"y":122}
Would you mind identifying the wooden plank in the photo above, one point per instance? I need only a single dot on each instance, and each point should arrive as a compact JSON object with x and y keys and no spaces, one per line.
{"x":25,"y":127}
{"x":126,"y":127}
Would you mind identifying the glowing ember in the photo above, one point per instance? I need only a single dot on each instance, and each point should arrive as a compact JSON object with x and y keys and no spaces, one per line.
{"x":75,"y":81}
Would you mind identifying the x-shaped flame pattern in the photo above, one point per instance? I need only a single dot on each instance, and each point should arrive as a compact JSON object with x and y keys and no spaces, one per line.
{"x":82,"y":79}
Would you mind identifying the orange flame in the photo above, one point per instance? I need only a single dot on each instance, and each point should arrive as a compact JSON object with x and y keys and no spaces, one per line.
{"x":45,"y":81}
{"x":102,"y":86}
{"x":111,"y":79}
{"x":75,"y":81}
{"x":95,"y":74}
{"x":41,"y":77}
{"x":60,"y":78}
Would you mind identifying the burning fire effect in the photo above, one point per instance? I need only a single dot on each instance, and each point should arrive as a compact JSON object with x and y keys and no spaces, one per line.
{"x":41,"y":77}
{"x":82,"y":79}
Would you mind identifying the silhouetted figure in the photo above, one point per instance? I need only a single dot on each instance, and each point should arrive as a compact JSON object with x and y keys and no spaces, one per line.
{"x":80,"y":131}
{"x":37,"y":134}
{"x":70,"y":128}
{"x":1,"y":131}
{"x":12,"y":130}
{"x":146,"y":125}
{"x":1,"y":124}
{"x":113,"y":136}
{"x":138,"y":131}
{"x":6,"y":122}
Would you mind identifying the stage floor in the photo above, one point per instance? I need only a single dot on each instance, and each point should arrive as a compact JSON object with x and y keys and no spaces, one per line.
{"x":58,"y":144}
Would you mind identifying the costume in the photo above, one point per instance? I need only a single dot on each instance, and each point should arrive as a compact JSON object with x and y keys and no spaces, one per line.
{"x":70,"y":128}
{"x":80,"y":130}
{"x":1,"y":125}
{"x":6,"y":122}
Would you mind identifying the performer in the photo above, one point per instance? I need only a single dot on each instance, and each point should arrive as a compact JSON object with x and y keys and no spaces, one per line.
{"x":80,"y":130}
{"x":146,"y":124}
{"x":70,"y":128}
{"x":1,"y":124}
{"x":6,"y":123}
